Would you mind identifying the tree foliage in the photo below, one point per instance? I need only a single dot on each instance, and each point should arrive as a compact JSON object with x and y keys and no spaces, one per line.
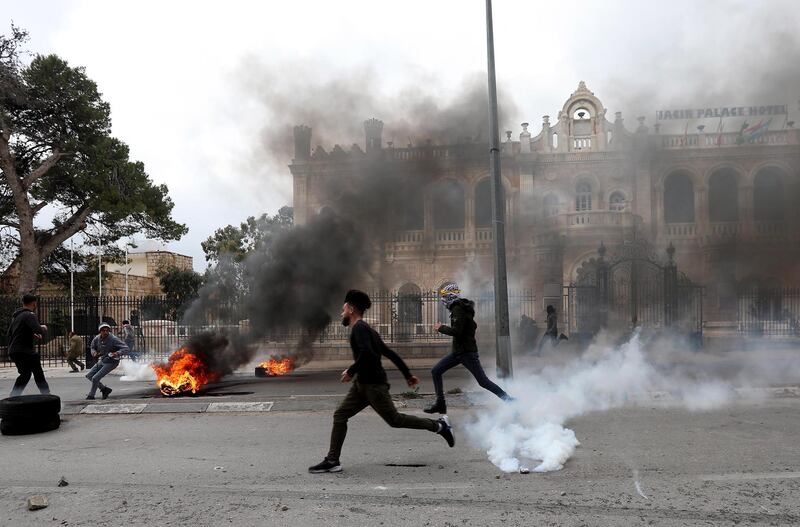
{"x":252,"y":234}
{"x":57,"y":152}
{"x":228,"y":247}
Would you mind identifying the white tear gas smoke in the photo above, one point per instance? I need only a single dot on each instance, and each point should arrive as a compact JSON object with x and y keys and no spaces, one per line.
{"x":137,"y":371}
{"x":606,"y":377}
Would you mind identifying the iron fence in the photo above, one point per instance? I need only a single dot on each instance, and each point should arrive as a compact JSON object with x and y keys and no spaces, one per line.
{"x":161,"y":324}
{"x":770,"y":312}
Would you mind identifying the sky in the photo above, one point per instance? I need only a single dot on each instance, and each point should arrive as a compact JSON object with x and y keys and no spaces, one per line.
{"x":193,"y":85}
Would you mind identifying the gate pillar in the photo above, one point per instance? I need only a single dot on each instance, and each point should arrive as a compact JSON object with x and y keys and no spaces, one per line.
{"x":603,"y":290}
{"x":670,"y":289}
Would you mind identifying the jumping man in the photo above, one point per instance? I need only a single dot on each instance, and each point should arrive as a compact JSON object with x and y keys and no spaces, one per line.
{"x":106,"y":348}
{"x":370,"y":387}
{"x":465,"y":348}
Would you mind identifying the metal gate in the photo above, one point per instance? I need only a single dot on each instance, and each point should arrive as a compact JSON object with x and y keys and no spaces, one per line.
{"x":632,"y":288}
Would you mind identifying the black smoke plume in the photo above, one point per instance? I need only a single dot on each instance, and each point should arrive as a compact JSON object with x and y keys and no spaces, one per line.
{"x":300,"y":280}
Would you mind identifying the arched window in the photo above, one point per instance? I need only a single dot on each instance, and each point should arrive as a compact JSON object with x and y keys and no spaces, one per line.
{"x":723,"y":197}
{"x":483,"y":204}
{"x":768,"y":195}
{"x":617,"y":202}
{"x":448,"y":205}
{"x":583,"y":197}
{"x":550,"y":205}
{"x":678,"y":198}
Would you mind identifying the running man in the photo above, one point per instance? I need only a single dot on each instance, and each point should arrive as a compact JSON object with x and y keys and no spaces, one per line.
{"x":465,"y":349}
{"x":370,"y":386}
{"x":107,"y":349}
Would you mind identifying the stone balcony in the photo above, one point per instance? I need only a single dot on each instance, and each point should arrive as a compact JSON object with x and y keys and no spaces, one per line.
{"x":588,"y":220}
{"x":729,"y":231}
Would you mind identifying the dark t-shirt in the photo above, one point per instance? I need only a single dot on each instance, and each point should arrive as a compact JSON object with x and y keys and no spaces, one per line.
{"x":368,"y":347}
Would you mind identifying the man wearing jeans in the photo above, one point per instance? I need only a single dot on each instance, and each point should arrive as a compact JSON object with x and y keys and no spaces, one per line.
{"x":465,"y":349}
{"x":23,"y":333}
{"x":106,"y":348}
{"x":370,"y":387}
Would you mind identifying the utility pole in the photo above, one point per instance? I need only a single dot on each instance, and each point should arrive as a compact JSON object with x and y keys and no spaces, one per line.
{"x":502,"y":332}
{"x":99,"y":283}
{"x":71,"y":284}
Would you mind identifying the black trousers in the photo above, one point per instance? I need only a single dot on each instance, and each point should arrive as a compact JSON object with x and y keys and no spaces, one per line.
{"x":377,"y":396}
{"x":472,"y":363}
{"x":27,"y":365}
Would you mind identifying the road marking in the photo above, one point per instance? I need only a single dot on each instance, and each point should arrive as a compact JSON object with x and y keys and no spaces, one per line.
{"x":114,"y":409}
{"x":240,"y":407}
{"x":750,"y":476}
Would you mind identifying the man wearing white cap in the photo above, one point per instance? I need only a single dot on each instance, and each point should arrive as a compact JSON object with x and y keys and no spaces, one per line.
{"x":107,"y":349}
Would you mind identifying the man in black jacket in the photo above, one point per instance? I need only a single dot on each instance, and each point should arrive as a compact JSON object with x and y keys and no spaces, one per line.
{"x":465,"y":348}
{"x":23,"y":333}
{"x":370,"y":387}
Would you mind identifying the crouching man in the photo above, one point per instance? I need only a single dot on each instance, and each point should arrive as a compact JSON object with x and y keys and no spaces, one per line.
{"x":107,"y":349}
{"x":370,"y":387}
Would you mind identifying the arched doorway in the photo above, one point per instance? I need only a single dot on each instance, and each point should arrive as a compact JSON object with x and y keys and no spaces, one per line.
{"x":678,"y":198}
{"x":448,"y":205}
{"x":483,"y":204}
{"x":723,"y":196}
{"x":409,"y":310}
{"x":768,"y":195}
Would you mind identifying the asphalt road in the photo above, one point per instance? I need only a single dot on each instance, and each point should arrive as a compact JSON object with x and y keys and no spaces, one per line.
{"x":737,"y":465}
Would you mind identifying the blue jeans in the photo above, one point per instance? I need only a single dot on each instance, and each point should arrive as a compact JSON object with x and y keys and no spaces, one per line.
{"x":98,"y":371}
{"x":471,"y":362}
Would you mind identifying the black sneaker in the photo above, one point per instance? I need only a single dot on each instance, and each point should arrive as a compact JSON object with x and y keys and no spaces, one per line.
{"x":105,"y":392}
{"x":446,"y":431}
{"x":439,"y":407}
{"x":325,"y":466}
{"x":90,"y":397}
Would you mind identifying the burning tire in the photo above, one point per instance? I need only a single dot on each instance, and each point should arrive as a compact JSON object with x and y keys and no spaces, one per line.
{"x":275,"y":367}
{"x":29,"y":414}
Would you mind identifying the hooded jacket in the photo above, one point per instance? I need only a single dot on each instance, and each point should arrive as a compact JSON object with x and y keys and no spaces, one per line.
{"x":24,"y":325}
{"x":462,"y":326}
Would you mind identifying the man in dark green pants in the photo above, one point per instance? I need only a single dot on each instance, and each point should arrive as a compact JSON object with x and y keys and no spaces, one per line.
{"x":370,"y":387}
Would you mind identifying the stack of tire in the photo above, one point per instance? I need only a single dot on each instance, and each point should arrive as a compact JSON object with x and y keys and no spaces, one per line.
{"x":29,"y":414}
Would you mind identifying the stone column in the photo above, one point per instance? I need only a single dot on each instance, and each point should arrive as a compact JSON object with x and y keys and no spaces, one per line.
{"x":428,"y":234}
{"x":701,"y":218}
{"x":746,"y":220}
{"x":469,"y":222}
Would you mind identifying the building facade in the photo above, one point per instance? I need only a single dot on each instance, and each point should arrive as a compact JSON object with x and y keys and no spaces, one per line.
{"x":726,"y":201}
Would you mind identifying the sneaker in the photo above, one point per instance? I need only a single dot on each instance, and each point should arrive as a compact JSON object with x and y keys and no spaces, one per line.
{"x":325,"y":466}
{"x":105,"y":392}
{"x":73,"y":371}
{"x":439,"y":407}
{"x":446,"y":431}
{"x":90,"y":397}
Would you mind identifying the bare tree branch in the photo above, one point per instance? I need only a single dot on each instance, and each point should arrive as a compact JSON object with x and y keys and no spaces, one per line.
{"x":71,"y":226}
{"x":42,"y":169}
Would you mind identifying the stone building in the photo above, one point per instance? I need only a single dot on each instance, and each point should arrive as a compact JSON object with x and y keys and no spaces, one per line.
{"x":143,"y":272}
{"x":725,"y":200}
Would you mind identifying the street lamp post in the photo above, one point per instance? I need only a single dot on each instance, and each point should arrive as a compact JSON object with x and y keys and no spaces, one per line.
{"x":502,"y":331}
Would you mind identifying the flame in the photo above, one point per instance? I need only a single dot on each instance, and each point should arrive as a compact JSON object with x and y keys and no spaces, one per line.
{"x":183,"y":373}
{"x":278,"y":367}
